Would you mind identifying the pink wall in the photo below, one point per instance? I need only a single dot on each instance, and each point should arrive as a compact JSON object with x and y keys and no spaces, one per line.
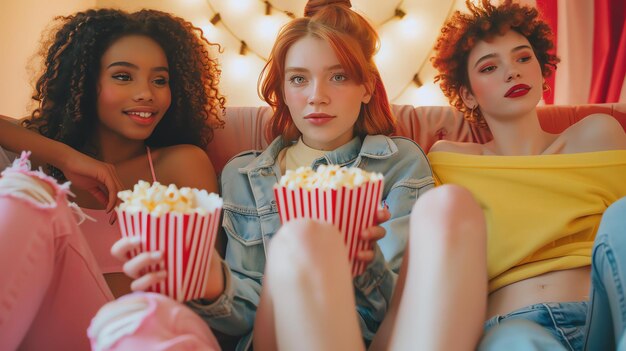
{"x":21,"y":24}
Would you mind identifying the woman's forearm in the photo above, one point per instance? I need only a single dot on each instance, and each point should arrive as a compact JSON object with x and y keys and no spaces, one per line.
{"x":15,"y":138}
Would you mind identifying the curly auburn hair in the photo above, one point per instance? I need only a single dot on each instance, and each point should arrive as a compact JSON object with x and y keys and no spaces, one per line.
{"x":354,"y":41}
{"x":461,"y":33}
{"x":66,"y":91}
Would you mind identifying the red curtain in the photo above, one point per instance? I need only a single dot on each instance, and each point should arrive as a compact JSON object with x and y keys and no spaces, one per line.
{"x":609,"y":51}
{"x":548,"y":10}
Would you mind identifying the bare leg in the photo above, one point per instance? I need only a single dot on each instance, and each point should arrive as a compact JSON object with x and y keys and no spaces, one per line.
{"x":308,"y":276}
{"x":383,"y":336}
{"x":442,"y":288}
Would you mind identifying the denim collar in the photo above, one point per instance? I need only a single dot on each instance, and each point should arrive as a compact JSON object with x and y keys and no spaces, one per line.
{"x":372,"y":146}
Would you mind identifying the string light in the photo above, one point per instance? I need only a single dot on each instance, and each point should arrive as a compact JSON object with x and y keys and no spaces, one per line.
{"x":416,"y":79}
{"x":268,"y":8}
{"x":398,"y":14}
{"x":216,"y":18}
{"x":243,"y":49}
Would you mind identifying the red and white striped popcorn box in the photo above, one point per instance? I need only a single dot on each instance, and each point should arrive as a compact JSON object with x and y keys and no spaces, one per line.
{"x":187,"y":242}
{"x":351,"y":210}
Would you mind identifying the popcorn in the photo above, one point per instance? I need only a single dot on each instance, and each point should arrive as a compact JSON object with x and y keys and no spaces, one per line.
{"x":345,"y":197}
{"x":182,"y":224}
{"x":157,"y":199}
{"x":327,"y":177}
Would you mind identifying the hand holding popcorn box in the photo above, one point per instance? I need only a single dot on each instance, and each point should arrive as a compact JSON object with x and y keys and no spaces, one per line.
{"x":182,"y":224}
{"x":348,"y":198}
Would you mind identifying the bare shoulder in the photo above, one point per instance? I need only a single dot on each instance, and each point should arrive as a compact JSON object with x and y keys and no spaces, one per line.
{"x":457,"y":147}
{"x":596,"y":132}
{"x":183,"y":153}
{"x":185,"y":165}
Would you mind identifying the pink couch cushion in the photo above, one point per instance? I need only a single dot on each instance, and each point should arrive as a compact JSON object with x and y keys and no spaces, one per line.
{"x":424,"y":124}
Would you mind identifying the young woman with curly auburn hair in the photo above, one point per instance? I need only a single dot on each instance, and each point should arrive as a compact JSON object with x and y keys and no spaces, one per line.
{"x":483,"y":23}
{"x":504,"y":253}
{"x":123,"y":97}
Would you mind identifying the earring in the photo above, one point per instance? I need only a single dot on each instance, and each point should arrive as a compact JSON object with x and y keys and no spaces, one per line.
{"x":473,"y":111}
{"x":476,"y":116}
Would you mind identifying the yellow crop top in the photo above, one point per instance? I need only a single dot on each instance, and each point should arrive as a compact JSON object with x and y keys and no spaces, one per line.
{"x":542,"y":211}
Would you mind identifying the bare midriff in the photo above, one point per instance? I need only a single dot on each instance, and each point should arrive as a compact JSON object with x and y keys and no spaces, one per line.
{"x":569,"y":285}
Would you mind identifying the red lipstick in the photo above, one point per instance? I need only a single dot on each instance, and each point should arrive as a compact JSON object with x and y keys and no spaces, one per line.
{"x":517,"y":91}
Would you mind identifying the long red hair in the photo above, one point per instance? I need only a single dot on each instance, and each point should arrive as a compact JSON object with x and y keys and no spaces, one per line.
{"x":354,"y":41}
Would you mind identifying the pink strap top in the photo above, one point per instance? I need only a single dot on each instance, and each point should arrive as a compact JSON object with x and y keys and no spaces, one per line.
{"x":150,"y":163}
{"x":101,"y":235}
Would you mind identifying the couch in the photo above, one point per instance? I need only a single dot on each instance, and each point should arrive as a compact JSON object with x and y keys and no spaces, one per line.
{"x":424,"y":124}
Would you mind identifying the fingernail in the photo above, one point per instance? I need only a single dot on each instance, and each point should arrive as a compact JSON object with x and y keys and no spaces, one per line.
{"x":135,"y":239}
{"x":156,"y":255}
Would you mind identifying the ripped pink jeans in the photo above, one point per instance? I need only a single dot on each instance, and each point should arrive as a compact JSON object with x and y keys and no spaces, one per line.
{"x":51,"y":286}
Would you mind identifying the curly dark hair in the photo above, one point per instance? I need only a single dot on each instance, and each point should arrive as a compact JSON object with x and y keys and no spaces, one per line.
{"x":462,"y":31}
{"x":66,"y":91}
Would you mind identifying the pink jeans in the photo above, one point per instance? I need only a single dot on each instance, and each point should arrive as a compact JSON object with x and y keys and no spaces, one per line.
{"x":149,"y":321}
{"x":51,"y":285}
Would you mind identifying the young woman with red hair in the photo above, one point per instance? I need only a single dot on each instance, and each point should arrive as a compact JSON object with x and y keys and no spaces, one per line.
{"x":330,"y":107}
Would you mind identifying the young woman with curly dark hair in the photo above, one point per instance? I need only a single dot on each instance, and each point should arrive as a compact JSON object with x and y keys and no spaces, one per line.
{"x":123,"y":97}
{"x":504,"y":253}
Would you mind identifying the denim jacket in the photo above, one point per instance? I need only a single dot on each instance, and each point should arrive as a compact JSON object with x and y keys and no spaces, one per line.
{"x":251,"y":219}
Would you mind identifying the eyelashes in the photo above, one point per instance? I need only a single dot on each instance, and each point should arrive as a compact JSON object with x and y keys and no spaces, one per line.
{"x":489,"y":67}
{"x":125,"y":77}
{"x":336,"y":78}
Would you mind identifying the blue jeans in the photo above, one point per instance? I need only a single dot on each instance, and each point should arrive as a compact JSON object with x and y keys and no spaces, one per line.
{"x":596,"y":325}
{"x":544,"y":326}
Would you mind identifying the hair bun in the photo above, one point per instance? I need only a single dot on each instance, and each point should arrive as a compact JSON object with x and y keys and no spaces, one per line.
{"x":313,"y":6}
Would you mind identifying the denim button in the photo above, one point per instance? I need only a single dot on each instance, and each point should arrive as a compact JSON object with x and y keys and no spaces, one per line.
{"x":266,"y":172}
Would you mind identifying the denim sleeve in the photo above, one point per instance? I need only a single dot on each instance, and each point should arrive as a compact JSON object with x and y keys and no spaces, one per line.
{"x":408,"y":177}
{"x":234,"y":311}
{"x":373,"y":290}
{"x":400,"y":200}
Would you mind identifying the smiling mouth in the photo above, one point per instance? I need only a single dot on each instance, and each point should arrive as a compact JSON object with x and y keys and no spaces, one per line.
{"x":141,"y":114}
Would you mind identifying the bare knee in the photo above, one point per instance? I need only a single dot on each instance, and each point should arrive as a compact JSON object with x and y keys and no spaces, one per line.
{"x":304,"y":246}
{"x":448,"y":214}
{"x":153,"y":320}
